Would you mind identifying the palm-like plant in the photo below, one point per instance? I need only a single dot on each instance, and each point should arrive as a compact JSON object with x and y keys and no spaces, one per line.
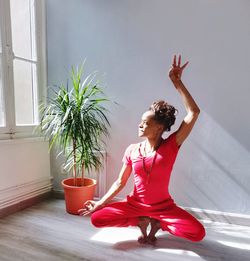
{"x":76,"y":121}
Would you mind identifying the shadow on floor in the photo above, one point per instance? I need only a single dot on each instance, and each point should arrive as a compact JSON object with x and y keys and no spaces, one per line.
{"x":206,"y":249}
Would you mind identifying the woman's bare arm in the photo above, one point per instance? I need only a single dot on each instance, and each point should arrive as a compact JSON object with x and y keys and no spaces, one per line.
{"x":188,"y":101}
{"x":118,"y":185}
{"x":91,"y":205}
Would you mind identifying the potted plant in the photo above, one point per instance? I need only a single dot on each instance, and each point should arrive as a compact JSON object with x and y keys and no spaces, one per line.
{"x":75,"y":120}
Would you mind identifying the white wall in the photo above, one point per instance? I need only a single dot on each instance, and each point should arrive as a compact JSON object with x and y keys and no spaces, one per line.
{"x":25,"y":170}
{"x":133,"y":41}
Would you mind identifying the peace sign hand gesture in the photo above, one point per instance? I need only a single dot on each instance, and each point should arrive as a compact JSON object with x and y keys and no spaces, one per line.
{"x":176,"y":70}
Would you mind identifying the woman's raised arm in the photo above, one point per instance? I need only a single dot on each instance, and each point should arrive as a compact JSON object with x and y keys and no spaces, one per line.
{"x":192,"y":108}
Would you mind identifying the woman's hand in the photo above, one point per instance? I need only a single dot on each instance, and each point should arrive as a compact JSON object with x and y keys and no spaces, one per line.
{"x":89,"y":206}
{"x":176,"y":70}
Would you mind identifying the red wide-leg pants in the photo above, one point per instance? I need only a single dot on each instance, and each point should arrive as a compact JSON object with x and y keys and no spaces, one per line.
{"x":172,"y":218}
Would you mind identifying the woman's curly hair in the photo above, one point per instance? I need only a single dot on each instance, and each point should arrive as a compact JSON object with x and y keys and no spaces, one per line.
{"x":165,"y":114}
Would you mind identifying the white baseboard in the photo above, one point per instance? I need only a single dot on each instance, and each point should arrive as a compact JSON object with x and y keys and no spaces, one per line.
{"x":16,"y":194}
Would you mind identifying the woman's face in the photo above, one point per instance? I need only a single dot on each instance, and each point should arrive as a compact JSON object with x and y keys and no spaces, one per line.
{"x":148,"y":127}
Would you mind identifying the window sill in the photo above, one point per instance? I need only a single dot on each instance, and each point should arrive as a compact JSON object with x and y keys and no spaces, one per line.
{"x":18,"y":140}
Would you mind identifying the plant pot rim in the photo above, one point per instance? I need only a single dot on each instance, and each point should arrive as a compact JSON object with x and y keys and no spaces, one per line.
{"x":77,"y":187}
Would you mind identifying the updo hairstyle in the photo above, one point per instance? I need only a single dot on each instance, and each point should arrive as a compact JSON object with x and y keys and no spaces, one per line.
{"x":164,"y":114}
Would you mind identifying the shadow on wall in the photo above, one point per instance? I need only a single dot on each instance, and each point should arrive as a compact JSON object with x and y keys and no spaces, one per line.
{"x":218,"y":177}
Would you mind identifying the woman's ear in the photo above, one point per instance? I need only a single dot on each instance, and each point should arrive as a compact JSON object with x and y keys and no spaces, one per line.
{"x":161,"y":128}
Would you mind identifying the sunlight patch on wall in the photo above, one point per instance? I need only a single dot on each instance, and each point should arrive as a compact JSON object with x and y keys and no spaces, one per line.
{"x":220,"y":172}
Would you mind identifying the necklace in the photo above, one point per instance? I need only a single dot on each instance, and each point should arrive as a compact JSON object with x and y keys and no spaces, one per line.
{"x":153,"y":161}
{"x":144,"y":165}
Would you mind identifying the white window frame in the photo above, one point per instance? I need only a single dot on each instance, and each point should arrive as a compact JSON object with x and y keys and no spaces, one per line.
{"x":11,"y":131}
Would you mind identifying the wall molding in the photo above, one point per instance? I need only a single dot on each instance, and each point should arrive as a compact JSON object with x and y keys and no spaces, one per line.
{"x":23,"y":140}
{"x":16,"y":194}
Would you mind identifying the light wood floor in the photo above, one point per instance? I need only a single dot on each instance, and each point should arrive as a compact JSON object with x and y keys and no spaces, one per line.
{"x":46,"y":232}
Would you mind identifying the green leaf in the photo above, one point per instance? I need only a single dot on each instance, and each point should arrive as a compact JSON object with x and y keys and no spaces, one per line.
{"x":77,"y":114}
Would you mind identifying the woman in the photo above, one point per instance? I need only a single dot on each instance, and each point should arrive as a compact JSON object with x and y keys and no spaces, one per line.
{"x":152,"y":161}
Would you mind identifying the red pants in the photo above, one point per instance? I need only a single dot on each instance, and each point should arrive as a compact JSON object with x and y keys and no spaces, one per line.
{"x":172,"y":218}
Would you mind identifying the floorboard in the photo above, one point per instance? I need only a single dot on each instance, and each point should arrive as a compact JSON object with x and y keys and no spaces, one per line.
{"x":46,"y":232}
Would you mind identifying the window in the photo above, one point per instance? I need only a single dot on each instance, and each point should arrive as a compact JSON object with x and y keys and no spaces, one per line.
{"x":2,"y":118}
{"x":22,"y":65}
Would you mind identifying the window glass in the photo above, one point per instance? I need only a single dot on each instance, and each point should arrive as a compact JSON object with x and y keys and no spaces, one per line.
{"x":25,"y":86}
{"x":2,"y":119}
{"x":24,"y":64}
{"x":23,"y":28}
{"x":19,"y":65}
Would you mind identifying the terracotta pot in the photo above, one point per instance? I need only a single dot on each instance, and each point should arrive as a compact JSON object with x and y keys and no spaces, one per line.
{"x":75,"y":196}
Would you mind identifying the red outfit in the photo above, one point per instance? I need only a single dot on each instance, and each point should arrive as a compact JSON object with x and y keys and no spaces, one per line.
{"x":150,"y":196}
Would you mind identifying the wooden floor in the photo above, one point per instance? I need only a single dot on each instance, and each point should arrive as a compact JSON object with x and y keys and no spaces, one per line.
{"x":46,"y":232}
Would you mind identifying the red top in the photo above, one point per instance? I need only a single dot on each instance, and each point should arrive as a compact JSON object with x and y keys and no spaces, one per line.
{"x":152,"y":188}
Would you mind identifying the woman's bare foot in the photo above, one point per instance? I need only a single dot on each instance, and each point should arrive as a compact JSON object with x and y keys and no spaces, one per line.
{"x":143,"y":224}
{"x":142,"y":239}
{"x":155,"y":226}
